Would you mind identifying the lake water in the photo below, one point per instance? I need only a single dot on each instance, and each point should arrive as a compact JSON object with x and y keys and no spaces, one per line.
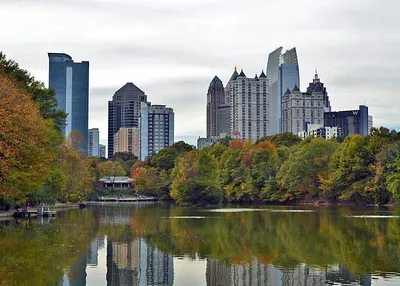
{"x":161,"y":244}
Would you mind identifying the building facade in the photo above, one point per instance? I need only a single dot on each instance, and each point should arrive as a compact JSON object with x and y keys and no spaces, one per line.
{"x":223,"y":120}
{"x":71,"y":83}
{"x":127,"y":140}
{"x":349,"y":121}
{"x":318,"y":85}
{"x":300,"y":108}
{"x":124,"y":111}
{"x":319,"y":131}
{"x":156,"y":129}
{"x":215,"y":97}
{"x":102,"y":151}
{"x":283,"y":73}
{"x":93,"y":143}
{"x":250,"y":109}
{"x":370,"y":123}
{"x":206,"y":142}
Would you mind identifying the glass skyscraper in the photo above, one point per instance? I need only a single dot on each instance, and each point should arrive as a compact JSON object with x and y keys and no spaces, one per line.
{"x":71,"y":83}
{"x":283,"y":73}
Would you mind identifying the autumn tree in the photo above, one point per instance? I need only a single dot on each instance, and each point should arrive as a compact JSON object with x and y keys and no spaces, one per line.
{"x":195,"y":179}
{"x":26,"y":143}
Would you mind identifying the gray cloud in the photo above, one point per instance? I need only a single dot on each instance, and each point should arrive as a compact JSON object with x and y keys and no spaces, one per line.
{"x":172,"y":49}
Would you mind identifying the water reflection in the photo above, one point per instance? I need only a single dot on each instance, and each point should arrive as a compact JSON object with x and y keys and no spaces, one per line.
{"x":155,"y":244}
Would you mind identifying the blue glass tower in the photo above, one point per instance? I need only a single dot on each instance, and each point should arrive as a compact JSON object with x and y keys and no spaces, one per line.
{"x":283,"y":73}
{"x":71,"y":83}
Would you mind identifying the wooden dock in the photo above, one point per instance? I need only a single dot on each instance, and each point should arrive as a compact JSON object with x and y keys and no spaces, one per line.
{"x":25,"y":213}
{"x":128,"y":199}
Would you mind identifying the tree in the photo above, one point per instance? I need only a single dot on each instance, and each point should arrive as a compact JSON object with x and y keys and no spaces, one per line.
{"x":110,"y":169}
{"x":195,"y":179}
{"x":26,"y":143}
{"x":287,"y":139}
{"x":76,"y":141}
{"x":165,"y":158}
{"x":300,"y":175}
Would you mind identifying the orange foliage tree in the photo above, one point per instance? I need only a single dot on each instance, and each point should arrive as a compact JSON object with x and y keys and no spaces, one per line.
{"x":25,"y":143}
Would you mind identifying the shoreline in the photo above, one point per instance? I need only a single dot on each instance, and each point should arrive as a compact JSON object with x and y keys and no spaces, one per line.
{"x":58,"y":206}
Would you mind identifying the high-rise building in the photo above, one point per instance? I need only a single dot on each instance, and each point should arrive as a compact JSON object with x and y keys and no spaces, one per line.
{"x":300,"y":108}
{"x":250,"y":111}
{"x":93,"y":143}
{"x":223,"y":120}
{"x":123,"y":111}
{"x":349,"y":121}
{"x":156,"y":129}
{"x":127,"y":140}
{"x":283,"y":73}
{"x":317,"y":84}
{"x":71,"y":83}
{"x":370,"y":123}
{"x":215,"y":97}
{"x":102,"y":151}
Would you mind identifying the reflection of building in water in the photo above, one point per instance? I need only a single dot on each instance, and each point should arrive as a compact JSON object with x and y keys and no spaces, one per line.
{"x":220,"y":274}
{"x":137,"y":263}
{"x":93,"y":253}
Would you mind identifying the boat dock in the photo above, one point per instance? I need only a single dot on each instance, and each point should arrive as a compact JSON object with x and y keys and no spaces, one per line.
{"x":127,"y":199}
{"x":40,"y":211}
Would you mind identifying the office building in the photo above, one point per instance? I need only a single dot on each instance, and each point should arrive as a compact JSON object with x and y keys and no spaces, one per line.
{"x":349,"y":121}
{"x":299,"y":108}
{"x":283,"y":73}
{"x":93,"y":144}
{"x":318,"y":85}
{"x":215,"y":97}
{"x":127,"y":140}
{"x":123,"y":111}
{"x":156,"y":129}
{"x":102,"y":151}
{"x":206,"y":142}
{"x":370,"y":123}
{"x":71,"y":83}
{"x":319,"y":131}
{"x":223,"y":120}
{"x":249,"y":111}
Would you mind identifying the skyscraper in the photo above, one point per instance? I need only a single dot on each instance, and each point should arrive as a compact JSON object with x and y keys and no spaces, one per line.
{"x":215,"y":97}
{"x":156,"y":129}
{"x":283,"y":74}
{"x":127,"y":140}
{"x":318,"y":85}
{"x":102,"y":150}
{"x":250,"y":112}
{"x":349,"y":121}
{"x":93,"y":143}
{"x":71,"y":83}
{"x":123,"y":111}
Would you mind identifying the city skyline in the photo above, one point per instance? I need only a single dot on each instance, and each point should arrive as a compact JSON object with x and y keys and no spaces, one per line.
{"x":357,"y":63}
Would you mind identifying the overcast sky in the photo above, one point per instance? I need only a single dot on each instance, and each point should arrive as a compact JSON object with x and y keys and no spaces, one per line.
{"x":172,"y":49}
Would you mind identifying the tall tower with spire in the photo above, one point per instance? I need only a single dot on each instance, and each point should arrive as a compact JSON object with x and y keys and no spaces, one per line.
{"x":318,"y":86}
{"x":215,"y":98}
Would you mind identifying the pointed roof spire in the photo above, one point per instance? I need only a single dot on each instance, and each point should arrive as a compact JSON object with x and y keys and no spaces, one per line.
{"x":242,"y":73}
{"x":296,"y":88}
{"x":235,"y":70}
{"x":256,"y":77}
{"x":262,"y":74}
{"x":288,"y":91}
{"x":216,"y":80}
{"x":316,"y":74}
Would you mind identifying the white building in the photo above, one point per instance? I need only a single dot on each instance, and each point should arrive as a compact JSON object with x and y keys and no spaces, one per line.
{"x":299,"y":108}
{"x":250,"y":108}
{"x":156,"y":129}
{"x":207,"y":142}
{"x":93,"y":144}
{"x":370,"y":123}
{"x":319,"y":131}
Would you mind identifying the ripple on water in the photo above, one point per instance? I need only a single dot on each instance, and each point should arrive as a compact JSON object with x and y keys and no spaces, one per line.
{"x":259,"y":210}
{"x":184,"y":217}
{"x":373,"y":216}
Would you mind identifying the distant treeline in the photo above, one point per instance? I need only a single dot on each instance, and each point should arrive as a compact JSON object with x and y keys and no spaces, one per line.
{"x":279,"y":168}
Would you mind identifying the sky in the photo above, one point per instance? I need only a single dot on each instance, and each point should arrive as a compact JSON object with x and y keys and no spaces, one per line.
{"x":172,"y":49}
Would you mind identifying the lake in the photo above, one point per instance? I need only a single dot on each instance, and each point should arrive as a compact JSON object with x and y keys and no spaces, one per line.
{"x":162,"y":244}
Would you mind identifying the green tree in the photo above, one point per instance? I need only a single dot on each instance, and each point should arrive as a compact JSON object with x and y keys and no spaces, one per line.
{"x":195,"y":179}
